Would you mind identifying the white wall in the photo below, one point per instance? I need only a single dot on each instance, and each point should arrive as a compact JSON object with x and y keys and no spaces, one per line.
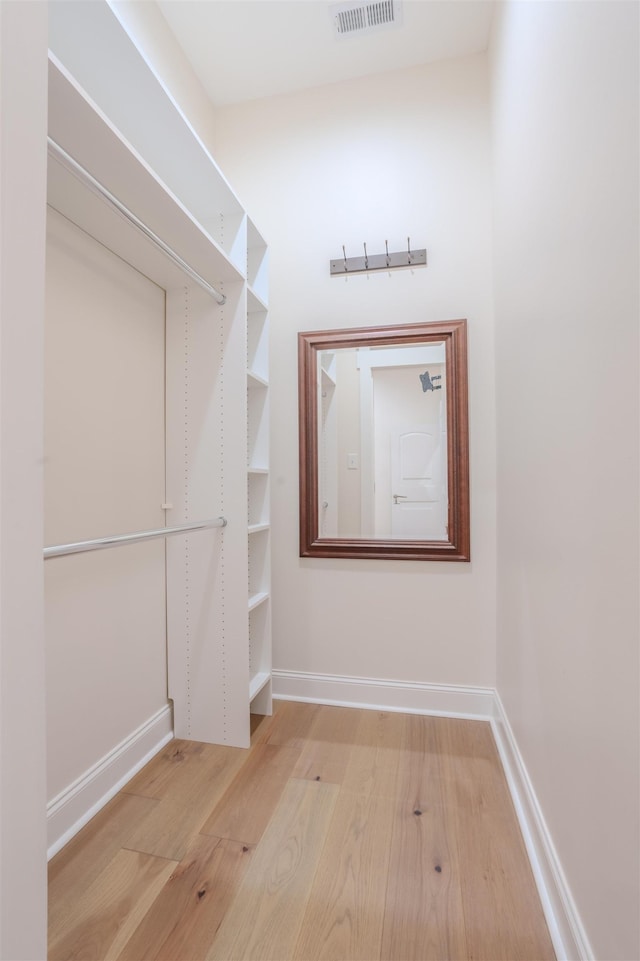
{"x":565,"y":122}
{"x":23,"y":124}
{"x":383,"y":158}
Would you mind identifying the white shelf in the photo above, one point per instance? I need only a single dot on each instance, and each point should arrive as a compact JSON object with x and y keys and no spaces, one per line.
{"x":77,"y":126}
{"x":256,"y":599}
{"x":258,"y":496}
{"x":258,"y":343}
{"x":327,"y":379}
{"x":258,"y":426}
{"x":166,"y":140}
{"x":258,"y":470}
{"x":258,"y":682}
{"x":257,"y":264}
{"x":255,"y":381}
{"x":257,"y":528}
{"x":259,"y":560}
{"x":255,"y":303}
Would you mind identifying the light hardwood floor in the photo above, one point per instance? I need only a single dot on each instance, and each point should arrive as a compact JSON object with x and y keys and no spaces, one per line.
{"x":340,"y":834}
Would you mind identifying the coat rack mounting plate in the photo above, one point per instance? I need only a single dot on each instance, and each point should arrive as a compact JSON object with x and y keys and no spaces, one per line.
{"x":386,"y":261}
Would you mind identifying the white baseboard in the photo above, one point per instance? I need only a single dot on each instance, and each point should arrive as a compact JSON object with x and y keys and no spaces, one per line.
{"x":80,"y":801}
{"x":367,"y":692}
{"x":565,"y":927}
{"x":567,"y":932}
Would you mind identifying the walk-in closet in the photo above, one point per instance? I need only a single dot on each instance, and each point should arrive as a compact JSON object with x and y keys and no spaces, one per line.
{"x":364,"y":684}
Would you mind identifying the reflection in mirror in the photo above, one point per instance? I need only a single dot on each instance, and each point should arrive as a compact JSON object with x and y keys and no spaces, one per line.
{"x":383,"y":432}
{"x":382,"y":442}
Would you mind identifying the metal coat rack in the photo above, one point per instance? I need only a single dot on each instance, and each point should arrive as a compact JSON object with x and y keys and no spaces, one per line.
{"x":387,"y":261}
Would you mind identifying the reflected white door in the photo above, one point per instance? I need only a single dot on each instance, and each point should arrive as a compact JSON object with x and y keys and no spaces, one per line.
{"x":418,"y":483}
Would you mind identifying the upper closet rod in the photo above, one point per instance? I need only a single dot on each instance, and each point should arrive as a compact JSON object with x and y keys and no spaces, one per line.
{"x":56,"y":151}
{"x":101,"y":543}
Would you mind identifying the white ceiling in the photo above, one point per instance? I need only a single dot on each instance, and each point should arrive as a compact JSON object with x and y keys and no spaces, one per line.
{"x":246,"y":49}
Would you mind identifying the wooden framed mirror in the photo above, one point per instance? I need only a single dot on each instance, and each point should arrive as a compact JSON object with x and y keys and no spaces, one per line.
{"x":384,"y":451}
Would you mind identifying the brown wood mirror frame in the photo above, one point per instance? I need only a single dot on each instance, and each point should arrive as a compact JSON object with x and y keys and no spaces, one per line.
{"x":455,"y":544}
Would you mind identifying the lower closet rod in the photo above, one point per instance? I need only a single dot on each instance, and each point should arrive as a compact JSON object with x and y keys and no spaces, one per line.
{"x":90,"y":181}
{"x":101,"y":543}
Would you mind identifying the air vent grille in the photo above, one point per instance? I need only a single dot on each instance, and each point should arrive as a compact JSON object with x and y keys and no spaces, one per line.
{"x":358,"y":18}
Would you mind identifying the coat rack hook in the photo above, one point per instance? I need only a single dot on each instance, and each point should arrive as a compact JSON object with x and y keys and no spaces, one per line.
{"x":386,"y":247}
{"x":344,"y":254}
{"x":366,"y":259}
{"x":409,"y":248}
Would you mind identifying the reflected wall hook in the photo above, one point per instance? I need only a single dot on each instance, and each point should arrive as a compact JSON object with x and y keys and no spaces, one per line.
{"x":409,"y":249}
{"x":366,"y":259}
{"x":344,"y":254}
{"x":386,"y":247}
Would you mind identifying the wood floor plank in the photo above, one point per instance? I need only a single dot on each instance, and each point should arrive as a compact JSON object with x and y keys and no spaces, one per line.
{"x":419,"y":765}
{"x":184,"y":918}
{"x":244,"y":810}
{"x":179,"y":766}
{"x":373,"y":766}
{"x":503,"y":913}
{"x":291,"y":723}
{"x":328,"y":746}
{"x":345,"y":911}
{"x":424,"y":919}
{"x":80,"y":862}
{"x":106,"y":915}
{"x":264,"y":919}
{"x":187,"y":804}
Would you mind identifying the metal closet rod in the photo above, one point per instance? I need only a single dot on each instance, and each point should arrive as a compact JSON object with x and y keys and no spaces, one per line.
{"x":102,"y":543}
{"x":90,"y":181}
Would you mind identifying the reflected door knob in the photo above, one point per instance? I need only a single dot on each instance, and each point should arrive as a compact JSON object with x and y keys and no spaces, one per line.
{"x":399,"y":497}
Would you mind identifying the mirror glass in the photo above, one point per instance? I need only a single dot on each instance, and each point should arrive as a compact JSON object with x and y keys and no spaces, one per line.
{"x":384,"y":465}
{"x":382,"y":442}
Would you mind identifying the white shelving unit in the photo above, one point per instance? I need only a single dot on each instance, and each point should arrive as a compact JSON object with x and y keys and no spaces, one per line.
{"x":218,"y":645}
{"x":258,"y":487}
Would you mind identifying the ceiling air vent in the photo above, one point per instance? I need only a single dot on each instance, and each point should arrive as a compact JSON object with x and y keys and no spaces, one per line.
{"x":350,"y":19}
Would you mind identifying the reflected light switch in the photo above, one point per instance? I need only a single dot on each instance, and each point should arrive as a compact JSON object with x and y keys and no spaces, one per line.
{"x":352,"y":462}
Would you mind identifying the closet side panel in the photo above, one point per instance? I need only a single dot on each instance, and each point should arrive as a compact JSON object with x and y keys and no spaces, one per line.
{"x":104,"y":475}
{"x":23,"y":159}
{"x":206,"y":477}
